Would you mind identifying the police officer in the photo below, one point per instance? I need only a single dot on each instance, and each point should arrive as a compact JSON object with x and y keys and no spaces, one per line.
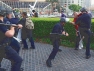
{"x":9,"y":20}
{"x":11,"y":54}
{"x":84,"y":22}
{"x":15,"y":20}
{"x":59,"y":29}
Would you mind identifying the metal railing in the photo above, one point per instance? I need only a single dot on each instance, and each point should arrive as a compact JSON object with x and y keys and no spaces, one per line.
{"x":4,"y":5}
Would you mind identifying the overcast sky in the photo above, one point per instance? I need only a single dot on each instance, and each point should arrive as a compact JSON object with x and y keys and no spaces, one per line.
{"x":92,"y":2}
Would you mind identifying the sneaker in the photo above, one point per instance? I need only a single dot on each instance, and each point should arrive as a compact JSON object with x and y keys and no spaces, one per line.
{"x":59,"y":50}
{"x":76,"y":48}
{"x":25,"y":48}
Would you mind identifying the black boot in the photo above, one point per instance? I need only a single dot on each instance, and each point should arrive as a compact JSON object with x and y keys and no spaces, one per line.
{"x":59,"y":50}
{"x":76,"y":48}
{"x":88,"y":56}
{"x":21,"y":69}
{"x":48,"y":63}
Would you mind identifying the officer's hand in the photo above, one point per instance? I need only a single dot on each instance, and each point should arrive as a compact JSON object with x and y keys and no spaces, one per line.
{"x":67,"y":34}
{"x":11,"y":27}
{"x":76,"y":33}
{"x":63,"y":32}
{"x":72,"y":23}
{"x":20,"y":26}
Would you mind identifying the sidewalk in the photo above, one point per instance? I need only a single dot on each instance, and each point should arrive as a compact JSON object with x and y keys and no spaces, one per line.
{"x":67,"y":60}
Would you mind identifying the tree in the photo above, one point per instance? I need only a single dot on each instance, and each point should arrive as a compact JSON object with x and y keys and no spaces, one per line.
{"x":74,"y":7}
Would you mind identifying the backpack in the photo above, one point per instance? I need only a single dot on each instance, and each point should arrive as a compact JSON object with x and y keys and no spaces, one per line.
{"x":29,"y":24}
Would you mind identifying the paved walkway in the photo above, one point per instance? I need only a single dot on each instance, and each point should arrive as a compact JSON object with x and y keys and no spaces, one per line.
{"x":67,"y":60}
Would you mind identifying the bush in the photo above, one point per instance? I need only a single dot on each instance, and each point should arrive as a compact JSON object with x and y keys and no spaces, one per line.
{"x":43,"y":27}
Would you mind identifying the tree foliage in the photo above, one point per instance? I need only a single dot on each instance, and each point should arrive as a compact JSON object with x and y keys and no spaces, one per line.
{"x":74,"y":7}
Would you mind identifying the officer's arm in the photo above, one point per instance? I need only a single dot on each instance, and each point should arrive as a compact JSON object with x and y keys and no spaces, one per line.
{"x":20,"y":23}
{"x":10,"y":33}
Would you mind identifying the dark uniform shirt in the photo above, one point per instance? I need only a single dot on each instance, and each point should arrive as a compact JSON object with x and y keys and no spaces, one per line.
{"x":14,"y":20}
{"x":3,"y":29}
{"x":84,"y":21}
{"x":7,"y":21}
{"x":58,"y":28}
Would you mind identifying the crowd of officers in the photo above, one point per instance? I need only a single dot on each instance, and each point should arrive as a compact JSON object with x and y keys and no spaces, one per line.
{"x":82,"y":24}
{"x":9,"y":46}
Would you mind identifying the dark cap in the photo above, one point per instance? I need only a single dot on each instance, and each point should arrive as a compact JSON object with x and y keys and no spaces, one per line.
{"x":63,"y":19}
{"x":83,"y":9}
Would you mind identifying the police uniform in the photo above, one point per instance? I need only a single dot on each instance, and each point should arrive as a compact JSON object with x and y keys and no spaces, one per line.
{"x":57,"y":29}
{"x":84,"y":22}
{"x":15,"y":44}
{"x":11,"y":54}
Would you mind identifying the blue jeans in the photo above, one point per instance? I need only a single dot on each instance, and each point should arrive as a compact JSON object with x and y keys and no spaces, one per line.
{"x":12,"y":55}
{"x":31,"y":41}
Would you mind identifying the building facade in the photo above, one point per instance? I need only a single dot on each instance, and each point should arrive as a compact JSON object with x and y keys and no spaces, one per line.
{"x":87,"y":3}
{"x":33,"y":0}
{"x":83,"y":3}
{"x":25,"y":0}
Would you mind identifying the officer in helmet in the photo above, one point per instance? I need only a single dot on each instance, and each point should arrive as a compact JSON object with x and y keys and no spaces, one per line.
{"x":84,"y":22}
{"x":2,"y":35}
{"x":57,"y":29}
{"x":5,"y":40}
{"x":15,"y":20}
{"x":9,"y":20}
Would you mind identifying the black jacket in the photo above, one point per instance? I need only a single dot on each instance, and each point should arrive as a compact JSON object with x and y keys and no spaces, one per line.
{"x":26,"y":33}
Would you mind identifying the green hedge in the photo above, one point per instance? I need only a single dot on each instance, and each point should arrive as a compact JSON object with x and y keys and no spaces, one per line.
{"x":43,"y":26}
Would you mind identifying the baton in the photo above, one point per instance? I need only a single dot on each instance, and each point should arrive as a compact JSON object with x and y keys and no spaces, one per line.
{"x":14,"y":25}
